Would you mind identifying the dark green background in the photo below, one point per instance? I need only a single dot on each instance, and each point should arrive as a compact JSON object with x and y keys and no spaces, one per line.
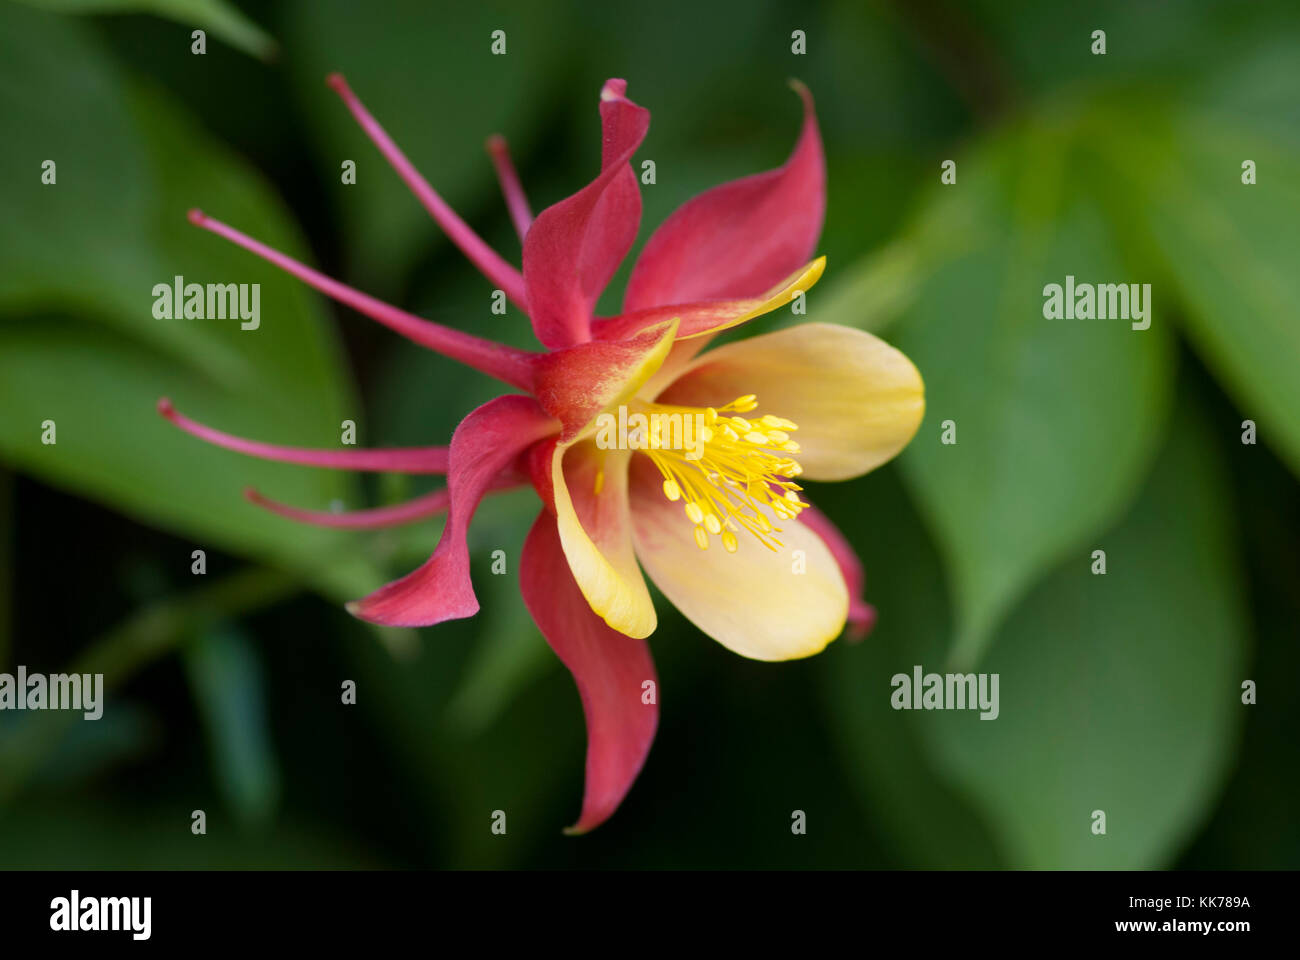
{"x":1119,"y":693}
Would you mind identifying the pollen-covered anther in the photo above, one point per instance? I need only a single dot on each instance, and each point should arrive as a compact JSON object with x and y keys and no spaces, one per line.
{"x":731,"y":473}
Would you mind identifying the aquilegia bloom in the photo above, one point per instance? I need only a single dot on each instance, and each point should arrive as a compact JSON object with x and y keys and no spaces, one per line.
{"x":723,"y":533}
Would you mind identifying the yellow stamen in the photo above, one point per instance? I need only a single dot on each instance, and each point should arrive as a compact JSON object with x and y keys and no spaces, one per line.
{"x":737,"y":474}
{"x":599,"y":483}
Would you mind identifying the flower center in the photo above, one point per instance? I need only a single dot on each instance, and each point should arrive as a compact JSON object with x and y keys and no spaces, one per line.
{"x":737,"y":467}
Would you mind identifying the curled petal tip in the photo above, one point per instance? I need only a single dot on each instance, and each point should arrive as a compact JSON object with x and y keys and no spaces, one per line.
{"x":354,"y":607}
{"x":165,"y":407}
{"x":335,"y":81}
{"x":801,"y":88}
{"x":614,"y":89}
{"x":196,"y":216}
{"x":862,"y":620}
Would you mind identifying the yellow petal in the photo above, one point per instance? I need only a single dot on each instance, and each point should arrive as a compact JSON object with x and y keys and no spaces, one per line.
{"x":759,"y":603}
{"x":726,"y":314}
{"x":857,"y":400}
{"x":575,"y":384}
{"x":678,"y":359}
{"x":779,"y":296}
{"x":703,"y":318}
{"x":596,"y":533}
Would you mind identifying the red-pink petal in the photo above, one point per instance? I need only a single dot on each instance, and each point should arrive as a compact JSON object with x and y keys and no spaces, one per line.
{"x":512,"y":190}
{"x":395,"y":459}
{"x":706,"y":317}
{"x":495,"y":359}
{"x":576,"y":383}
{"x":375,"y":518}
{"x":614,"y":673}
{"x":372,"y":519}
{"x":739,"y":239}
{"x":498,"y":272}
{"x":487,"y":442}
{"x":862,"y":615}
{"x":696,"y":318}
{"x":573,"y":248}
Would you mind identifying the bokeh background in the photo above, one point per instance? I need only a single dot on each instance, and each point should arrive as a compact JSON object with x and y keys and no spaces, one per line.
{"x":1120,"y":693}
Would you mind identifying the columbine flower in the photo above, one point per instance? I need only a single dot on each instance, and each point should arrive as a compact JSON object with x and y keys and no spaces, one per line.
{"x":727,"y":536}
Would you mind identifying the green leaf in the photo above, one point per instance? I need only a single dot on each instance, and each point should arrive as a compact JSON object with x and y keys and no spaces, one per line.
{"x":151,"y":831}
{"x":511,"y":653}
{"x":929,"y":823}
{"x":873,"y":292}
{"x":8,"y":562}
{"x":1232,"y":254}
{"x":216,"y":16}
{"x":63,"y":102}
{"x":1117,"y":692}
{"x":119,"y":654}
{"x":1261,"y":793}
{"x":1041,"y":46}
{"x":227,"y":679}
{"x":527,"y":761}
{"x":84,"y":750}
{"x":1055,"y":419}
{"x":79,"y":344}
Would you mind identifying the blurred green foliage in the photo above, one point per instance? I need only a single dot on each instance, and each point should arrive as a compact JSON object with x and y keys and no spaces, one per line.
{"x":215,"y":16}
{"x":1120,"y":692}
